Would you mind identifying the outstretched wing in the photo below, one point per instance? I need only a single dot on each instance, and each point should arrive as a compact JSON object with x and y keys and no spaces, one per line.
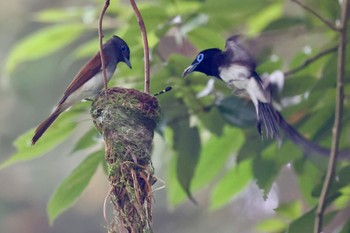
{"x":237,"y":52}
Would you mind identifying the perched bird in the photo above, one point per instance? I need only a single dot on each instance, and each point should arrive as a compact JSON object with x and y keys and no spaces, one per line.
{"x":236,"y":67}
{"x":89,"y":80}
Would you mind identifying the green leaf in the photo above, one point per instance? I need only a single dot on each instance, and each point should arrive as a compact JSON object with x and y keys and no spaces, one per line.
{"x":154,"y":15}
{"x":215,"y":153}
{"x":86,"y":49}
{"x":232,"y":7}
{"x":298,"y":84}
{"x":329,"y":70}
{"x":327,"y":9}
{"x":231,"y":184}
{"x":291,"y":210}
{"x":87,"y":140}
{"x":54,"y":15}
{"x":252,"y":145}
{"x":265,"y":171}
{"x":267,"y":165}
{"x":181,"y":7}
{"x":42,"y":43}
{"x":58,"y":132}
{"x":308,"y":177}
{"x":187,"y":146}
{"x":342,"y":180}
{"x":305,"y":223}
{"x":237,"y":112}
{"x":284,"y":23}
{"x":176,"y":194}
{"x":346,"y":228}
{"x":270,"y":66}
{"x":271,"y":225}
{"x":320,"y":123}
{"x":213,"y":121}
{"x":312,"y":70}
{"x":72,"y":186}
{"x":201,"y":40}
{"x":344,"y":199}
{"x":260,"y":20}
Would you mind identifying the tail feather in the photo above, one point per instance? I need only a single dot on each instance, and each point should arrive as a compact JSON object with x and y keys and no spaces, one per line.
{"x":269,"y":118}
{"x":40,"y":130}
{"x":307,"y":146}
{"x":273,"y":122}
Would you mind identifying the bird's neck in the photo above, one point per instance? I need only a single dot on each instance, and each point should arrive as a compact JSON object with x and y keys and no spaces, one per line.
{"x":214,"y":67}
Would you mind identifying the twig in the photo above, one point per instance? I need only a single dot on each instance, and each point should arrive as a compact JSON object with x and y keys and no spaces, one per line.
{"x":145,"y":45}
{"x":338,"y":118}
{"x":100,"y":35}
{"x":326,"y":22}
{"x":311,"y":60}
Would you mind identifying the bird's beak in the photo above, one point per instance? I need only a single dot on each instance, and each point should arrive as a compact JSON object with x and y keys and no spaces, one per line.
{"x":127,"y":61}
{"x":189,"y":70}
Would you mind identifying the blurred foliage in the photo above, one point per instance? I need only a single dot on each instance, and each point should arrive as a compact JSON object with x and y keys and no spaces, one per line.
{"x":212,"y":139}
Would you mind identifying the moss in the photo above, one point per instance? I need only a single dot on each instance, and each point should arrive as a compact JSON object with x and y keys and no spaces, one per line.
{"x":127,"y":118}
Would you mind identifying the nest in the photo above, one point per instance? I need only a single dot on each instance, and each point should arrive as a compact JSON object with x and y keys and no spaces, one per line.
{"x":127,"y":118}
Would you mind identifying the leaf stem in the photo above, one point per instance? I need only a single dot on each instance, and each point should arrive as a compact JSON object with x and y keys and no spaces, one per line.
{"x":325,"y":21}
{"x":311,"y":60}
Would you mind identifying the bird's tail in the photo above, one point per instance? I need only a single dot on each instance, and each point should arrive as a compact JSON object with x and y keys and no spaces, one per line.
{"x":269,"y":119}
{"x":273,"y":122}
{"x":40,"y":130}
{"x":307,"y":146}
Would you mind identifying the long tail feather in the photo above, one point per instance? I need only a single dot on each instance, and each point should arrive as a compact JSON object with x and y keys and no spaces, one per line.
{"x":307,"y":146}
{"x":40,"y":130}
{"x":269,"y":118}
{"x":273,"y":122}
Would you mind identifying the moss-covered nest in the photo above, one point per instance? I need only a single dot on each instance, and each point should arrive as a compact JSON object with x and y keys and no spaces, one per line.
{"x":127,"y":118}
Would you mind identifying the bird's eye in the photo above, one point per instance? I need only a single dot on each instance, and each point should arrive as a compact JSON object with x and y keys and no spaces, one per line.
{"x":200,"y":57}
{"x":123,"y":48}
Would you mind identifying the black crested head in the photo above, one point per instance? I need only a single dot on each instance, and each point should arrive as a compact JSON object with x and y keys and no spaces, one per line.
{"x":207,"y":62}
{"x":121,"y":49}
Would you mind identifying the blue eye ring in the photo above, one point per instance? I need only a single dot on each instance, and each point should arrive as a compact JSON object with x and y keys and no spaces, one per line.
{"x":200,"y":57}
{"x":123,"y":47}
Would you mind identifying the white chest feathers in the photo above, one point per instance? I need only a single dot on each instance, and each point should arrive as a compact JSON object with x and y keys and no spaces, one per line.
{"x":235,"y":76}
{"x":238,"y":76}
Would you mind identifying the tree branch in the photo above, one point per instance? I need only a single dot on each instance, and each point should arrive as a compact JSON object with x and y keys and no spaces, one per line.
{"x":145,"y":45}
{"x":326,"y":22}
{"x":100,"y":35}
{"x":311,"y":60}
{"x":338,"y":117}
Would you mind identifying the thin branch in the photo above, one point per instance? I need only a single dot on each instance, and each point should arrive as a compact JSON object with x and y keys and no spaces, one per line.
{"x":338,"y":118}
{"x":325,"y":21}
{"x":311,"y":60}
{"x":145,"y":45}
{"x":100,"y":35}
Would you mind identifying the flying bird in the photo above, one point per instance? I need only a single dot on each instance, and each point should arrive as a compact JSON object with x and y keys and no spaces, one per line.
{"x":236,"y":67}
{"x":89,"y":80}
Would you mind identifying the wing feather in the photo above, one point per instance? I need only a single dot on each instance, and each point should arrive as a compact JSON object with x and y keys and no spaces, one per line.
{"x":88,"y":71}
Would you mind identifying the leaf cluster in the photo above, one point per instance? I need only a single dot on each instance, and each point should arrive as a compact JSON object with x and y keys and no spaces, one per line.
{"x":212,"y":140}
